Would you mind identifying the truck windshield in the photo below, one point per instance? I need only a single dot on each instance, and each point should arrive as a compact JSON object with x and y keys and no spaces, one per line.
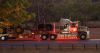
{"x":73,"y":25}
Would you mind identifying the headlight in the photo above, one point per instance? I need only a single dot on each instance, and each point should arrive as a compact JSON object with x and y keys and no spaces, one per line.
{"x":33,"y":33}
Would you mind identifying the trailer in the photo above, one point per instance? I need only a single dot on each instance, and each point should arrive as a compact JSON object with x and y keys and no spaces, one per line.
{"x":8,"y":30}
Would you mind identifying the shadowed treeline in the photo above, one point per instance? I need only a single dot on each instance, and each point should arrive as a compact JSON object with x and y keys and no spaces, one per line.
{"x":52,"y":10}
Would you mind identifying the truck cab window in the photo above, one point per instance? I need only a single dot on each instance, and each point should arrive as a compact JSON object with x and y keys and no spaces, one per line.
{"x":73,"y":24}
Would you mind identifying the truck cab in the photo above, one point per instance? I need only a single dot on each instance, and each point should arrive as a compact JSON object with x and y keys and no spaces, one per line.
{"x":75,"y":28}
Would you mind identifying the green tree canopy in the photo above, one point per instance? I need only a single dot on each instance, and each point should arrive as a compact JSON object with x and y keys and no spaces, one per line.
{"x":16,"y":11}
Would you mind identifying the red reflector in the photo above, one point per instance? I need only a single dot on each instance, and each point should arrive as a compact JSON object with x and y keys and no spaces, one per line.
{"x":62,"y":37}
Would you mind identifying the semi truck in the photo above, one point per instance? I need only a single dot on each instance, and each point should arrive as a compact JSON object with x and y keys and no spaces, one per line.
{"x":52,"y":31}
{"x":64,"y":28}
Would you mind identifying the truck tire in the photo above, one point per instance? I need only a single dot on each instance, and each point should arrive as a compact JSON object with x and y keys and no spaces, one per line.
{"x":53,"y":37}
{"x":83,"y":37}
{"x":19,"y":30}
{"x":4,"y":38}
{"x":44,"y":37}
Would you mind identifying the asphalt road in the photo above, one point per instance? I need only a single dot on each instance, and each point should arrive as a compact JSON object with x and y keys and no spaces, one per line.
{"x":52,"y":43}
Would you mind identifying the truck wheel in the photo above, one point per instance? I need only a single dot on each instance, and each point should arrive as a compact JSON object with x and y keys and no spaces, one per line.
{"x":44,"y":37}
{"x":3,"y":38}
{"x":83,"y":37}
{"x":53,"y":37}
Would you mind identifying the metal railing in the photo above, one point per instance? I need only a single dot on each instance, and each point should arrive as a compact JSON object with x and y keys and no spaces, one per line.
{"x":50,"y":46}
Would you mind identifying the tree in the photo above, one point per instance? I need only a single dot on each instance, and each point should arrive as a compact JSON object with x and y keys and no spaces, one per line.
{"x":15,"y":11}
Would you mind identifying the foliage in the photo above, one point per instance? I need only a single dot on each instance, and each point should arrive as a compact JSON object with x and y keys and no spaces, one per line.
{"x":15,"y":11}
